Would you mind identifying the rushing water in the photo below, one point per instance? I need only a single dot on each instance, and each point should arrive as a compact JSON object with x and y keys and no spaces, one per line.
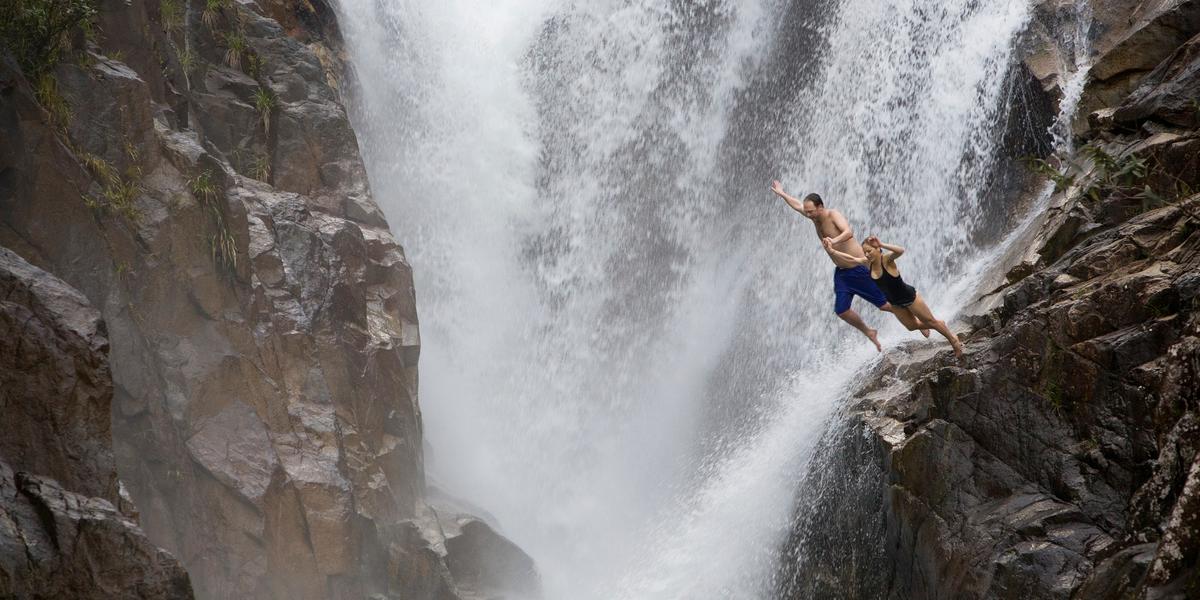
{"x":629,"y":346}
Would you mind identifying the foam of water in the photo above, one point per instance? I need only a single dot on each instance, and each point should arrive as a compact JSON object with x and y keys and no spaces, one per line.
{"x":628,"y":344}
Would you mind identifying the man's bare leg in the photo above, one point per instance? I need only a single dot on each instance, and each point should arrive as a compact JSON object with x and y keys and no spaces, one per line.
{"x":852,"y":318}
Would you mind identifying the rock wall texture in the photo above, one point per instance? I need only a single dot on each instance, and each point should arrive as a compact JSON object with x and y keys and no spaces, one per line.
{"x":192,"y":171}
{"x":62,"y":534}
{"x":1061,"y":459}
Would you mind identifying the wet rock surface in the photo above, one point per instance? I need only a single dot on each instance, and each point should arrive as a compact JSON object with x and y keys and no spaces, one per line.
{"x":1060,"y":458}
{"x":483,"y":563}
{"x":61,"y":532}
{"x":206,"y":195}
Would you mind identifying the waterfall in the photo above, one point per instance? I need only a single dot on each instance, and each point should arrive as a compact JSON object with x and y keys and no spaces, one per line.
{"x":629,"y":347}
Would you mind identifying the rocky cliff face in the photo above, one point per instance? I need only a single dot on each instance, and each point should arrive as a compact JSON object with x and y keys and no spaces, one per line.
{"x":1061,"y":459}
{"x":190,"y":169}
{"x":62,"y":533}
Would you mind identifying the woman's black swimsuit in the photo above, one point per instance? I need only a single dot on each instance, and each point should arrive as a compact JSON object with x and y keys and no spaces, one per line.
{"x":893,"y":287}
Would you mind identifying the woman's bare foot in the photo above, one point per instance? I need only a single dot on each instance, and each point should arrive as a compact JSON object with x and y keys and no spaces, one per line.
{"x":873,"y":334}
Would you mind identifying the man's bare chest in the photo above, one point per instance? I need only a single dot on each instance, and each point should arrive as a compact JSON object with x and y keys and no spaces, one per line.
{"x":826,"y":228}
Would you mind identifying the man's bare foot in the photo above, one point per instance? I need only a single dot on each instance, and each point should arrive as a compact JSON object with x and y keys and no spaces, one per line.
{"x":925,"y":332}
{"x":958,"y":347}
{"x":873,"y":335}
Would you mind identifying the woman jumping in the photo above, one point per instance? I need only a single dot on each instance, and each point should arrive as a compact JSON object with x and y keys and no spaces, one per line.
{"x":908,"y":306}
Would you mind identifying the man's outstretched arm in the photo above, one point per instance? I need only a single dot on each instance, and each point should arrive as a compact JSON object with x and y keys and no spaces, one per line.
{"x":796,"y":205}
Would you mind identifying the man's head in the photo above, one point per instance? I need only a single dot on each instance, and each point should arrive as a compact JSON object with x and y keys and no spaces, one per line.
{"x":813,"y":206}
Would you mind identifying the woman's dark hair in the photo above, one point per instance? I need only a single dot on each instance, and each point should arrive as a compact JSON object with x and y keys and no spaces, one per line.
{"x":815,"y":199}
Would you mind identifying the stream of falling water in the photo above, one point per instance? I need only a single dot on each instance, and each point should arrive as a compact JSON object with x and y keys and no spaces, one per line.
{"x":629,"y":346}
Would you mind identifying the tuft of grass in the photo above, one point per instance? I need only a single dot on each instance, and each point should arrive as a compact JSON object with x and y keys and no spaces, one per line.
{"x":261,"y":169}
{"x":118,"y":190}
{"x":203,"y":187}
{"x":46,"y":90}
{"x":170,"y":13}
{"x":38,"y":32}
{"x":187,"y":64}
{"x":265,"y":102}
{"x":1054,"y":395}
{"x":235,"y":49}
{"x":97,"y":166}
{"x":220,"y":240}
{"x":120,"y":195}
{"x":211,"y":14}
{"x":131,"y":151}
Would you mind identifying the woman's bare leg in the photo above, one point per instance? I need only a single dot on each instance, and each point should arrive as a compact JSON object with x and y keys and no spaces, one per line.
{"x":921,"y":311}
{"x":908,"y":319}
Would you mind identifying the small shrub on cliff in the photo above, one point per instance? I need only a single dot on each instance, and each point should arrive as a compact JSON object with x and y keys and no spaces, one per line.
{"x":37,"y":32}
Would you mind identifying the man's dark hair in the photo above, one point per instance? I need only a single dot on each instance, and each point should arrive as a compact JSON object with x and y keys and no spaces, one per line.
{"x":815,"y":199}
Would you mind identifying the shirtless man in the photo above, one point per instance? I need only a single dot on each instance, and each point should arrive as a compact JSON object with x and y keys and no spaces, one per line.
{"x":850,"y":279}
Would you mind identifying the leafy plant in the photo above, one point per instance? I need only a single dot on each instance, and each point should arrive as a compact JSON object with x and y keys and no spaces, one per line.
{"x":266,"y":102}
{"x":37,"y":32}
{"x":235,"y":48}
{"x":1112,"y":173}
{"x":1062,"y":180}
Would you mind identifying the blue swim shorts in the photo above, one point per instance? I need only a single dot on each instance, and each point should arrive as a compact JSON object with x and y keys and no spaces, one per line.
{"x":856,"y":281}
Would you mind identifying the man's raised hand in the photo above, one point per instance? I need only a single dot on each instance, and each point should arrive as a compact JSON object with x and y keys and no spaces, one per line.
{"x":777,"y":187}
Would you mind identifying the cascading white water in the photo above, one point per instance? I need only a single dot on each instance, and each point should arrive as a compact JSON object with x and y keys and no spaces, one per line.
{"x":628,"y":343}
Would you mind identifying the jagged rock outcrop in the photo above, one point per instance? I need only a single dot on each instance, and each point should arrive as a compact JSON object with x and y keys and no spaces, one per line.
{"x":484,"y":563}
{"x":61,"y":532}
{"x":1122,"y":41}
{"x":203,"y":188}
{"x":1061,"y":459}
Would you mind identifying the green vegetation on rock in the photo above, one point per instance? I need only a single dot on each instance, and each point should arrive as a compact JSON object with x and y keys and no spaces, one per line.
{"x":37,"y":32}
